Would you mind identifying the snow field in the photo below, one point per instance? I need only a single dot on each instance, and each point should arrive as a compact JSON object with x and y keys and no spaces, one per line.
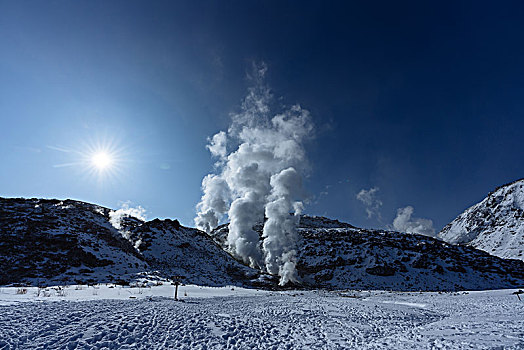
{"x":14,"y":295}
{"x":222,"y":318}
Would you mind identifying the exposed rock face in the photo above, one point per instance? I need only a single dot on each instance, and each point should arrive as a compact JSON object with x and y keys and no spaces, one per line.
{"x":495,"y":225}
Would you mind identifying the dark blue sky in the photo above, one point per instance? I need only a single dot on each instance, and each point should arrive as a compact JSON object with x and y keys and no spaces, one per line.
{"x":424,"y":101}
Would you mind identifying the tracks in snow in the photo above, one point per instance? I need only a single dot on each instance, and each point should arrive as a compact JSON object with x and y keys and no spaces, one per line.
{"x":313,"y":320}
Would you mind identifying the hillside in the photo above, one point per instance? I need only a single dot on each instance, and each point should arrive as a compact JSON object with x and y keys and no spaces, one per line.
{"x":495,"y":225}
{"x":347,"y":257}
{"x":53,"y":241}
{"x":176,"y":250}
{"x":69,"y":241}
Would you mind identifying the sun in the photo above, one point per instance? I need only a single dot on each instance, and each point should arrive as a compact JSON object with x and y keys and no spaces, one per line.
{"x":102,"y":160}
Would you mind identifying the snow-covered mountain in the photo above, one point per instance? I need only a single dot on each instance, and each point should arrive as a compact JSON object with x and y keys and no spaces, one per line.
{"x":54,"y":241}
{"x":495,"y":225}
{"x":338,"y":256}
{"x":49,"y":240}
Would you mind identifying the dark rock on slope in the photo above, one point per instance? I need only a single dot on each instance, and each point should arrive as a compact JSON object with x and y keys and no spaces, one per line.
{"x":54,"y":241}
{"x":48,"y":239}
{"x":347,"y":257}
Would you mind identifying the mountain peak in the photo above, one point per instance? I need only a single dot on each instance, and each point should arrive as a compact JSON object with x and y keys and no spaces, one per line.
{"x":495,"y":225}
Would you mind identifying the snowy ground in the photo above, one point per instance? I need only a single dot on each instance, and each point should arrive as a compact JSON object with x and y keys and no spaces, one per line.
{"x":233,"y":318}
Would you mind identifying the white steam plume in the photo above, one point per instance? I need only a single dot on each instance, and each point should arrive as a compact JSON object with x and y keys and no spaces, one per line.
{"x":116,"y":217}
{"x":405,"y":223}
{"x":254,"y":179}
{"x":213,"y":204}
{"x":280,"y":233}
{"x":218,"y":145}
{"x":370,"y":200}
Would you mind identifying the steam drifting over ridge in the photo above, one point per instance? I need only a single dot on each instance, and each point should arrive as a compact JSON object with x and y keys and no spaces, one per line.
{"x":405,"y":223}
{"x":116,"y":218}
{"x":260,"y":163}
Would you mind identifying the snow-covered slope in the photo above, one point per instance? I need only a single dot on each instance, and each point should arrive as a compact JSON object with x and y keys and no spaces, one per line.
{"x":117,"y":317}
{"x":348,"y":257}
{"x":495,"y":225}
{"x":70,"y":241}
{"x":45,"y":241}
{"x":176,"y":250}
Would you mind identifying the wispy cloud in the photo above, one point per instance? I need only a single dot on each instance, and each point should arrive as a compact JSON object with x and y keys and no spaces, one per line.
{"x":370,"y":199}
{"x":63,"y":165}
{"x":28,"y":149}
{"x":60,"y":149}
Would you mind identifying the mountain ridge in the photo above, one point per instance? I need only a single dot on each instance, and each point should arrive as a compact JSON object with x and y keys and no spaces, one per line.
{"x":67,"y":241}
{"x":350,"y":257}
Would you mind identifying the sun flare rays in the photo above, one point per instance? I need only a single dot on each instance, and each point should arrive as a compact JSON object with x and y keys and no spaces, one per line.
{"x":102,"y":160}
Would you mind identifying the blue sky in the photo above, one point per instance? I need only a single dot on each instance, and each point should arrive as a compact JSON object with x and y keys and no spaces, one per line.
{"x":423,"y":101}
